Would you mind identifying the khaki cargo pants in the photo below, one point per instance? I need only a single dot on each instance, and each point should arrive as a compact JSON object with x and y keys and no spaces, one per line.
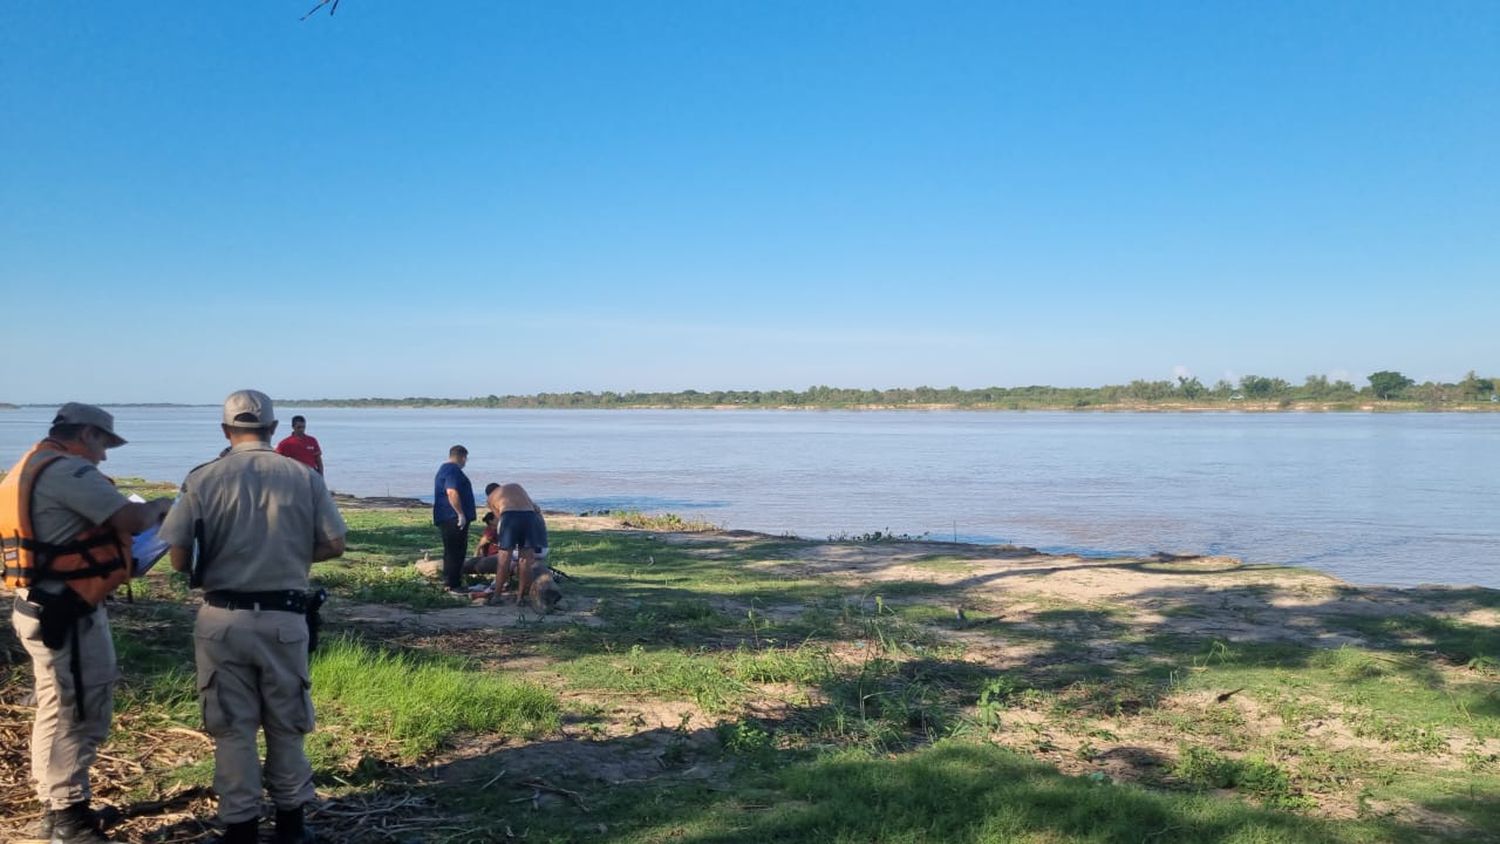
{"x":63,"y":745}
{"x":252,"y":675}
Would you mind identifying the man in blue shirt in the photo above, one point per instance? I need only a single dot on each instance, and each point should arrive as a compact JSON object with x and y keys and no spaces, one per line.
{"x":453,"y":512}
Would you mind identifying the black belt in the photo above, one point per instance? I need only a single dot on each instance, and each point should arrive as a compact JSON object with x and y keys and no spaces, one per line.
{"x":28,"y":609}
{"x":288,"y":600}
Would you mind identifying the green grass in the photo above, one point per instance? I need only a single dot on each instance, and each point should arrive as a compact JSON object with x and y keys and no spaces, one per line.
{"x":1205,"y":768}
{"x":377,"y":565}
{"x":1396,"y":698}
{"x":1454,"y":642}
{"x":670,"y":674}
{"x":954,"y":791}
{"x":158,"y":679}
{"x":402,"y":586}
{"x":669,"y":522}
{"x":422,"y":702}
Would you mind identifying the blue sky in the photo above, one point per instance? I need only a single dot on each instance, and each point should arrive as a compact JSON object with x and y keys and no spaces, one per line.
{"x":463,"y":198}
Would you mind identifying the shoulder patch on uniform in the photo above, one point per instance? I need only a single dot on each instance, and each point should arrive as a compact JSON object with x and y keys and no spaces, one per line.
{"x":190,"y":472}
{"x":201,"y":465}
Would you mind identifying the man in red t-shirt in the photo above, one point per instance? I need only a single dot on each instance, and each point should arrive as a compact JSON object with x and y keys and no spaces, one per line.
{"x":300,"y":447}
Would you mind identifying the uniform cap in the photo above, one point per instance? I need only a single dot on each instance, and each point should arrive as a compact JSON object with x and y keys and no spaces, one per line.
{"x":248,"y":409}
{"x":77,"y":413}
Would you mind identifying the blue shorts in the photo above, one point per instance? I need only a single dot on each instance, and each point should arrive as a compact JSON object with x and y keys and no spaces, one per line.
{"x":521,"y":529}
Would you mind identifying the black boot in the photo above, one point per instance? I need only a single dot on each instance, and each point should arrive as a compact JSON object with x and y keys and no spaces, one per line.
{"x":41,"y":830}
{"x":244,"y":832}
{"x":76,"y":825}
{"x":290,"y":829}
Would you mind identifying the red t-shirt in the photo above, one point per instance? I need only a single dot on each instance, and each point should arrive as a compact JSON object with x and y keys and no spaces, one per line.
{"x":303,"y":449}
{"x":487,"y":544}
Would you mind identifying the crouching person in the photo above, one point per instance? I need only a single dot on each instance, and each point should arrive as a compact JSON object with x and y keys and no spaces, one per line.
{"x":259,"y":521}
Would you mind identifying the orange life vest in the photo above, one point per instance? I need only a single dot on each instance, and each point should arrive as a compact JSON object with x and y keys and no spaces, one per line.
{"x":93,"y":563}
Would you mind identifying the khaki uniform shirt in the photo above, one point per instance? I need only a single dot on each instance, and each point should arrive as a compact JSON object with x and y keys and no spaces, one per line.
{"x":71,"y":496}
{"x":262,"y":515}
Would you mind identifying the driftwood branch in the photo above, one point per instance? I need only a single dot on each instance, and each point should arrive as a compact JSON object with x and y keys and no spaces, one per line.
{"x":543,"y":785}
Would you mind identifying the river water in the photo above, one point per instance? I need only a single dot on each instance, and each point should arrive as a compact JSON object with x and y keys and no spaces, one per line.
{"x":1373,"y":498}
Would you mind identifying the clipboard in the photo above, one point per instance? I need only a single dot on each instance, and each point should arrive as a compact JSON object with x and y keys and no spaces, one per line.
{"x":147,"y":547}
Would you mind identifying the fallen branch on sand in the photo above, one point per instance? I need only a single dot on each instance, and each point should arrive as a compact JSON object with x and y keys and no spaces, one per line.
{"x":540,"y":785}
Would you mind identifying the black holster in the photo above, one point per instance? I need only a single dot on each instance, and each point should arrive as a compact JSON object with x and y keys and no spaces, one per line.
{"x":58,"y":619}
{"x":60,"y":614}
{"x":200,"y":556}
{"x":316,"y":598}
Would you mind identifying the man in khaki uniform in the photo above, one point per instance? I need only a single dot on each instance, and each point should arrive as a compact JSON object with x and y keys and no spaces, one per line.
{"x":75,"y":680}
{"x":259,"y":521}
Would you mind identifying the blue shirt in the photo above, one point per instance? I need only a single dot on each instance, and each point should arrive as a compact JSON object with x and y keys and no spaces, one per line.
{"x":450,"y":476}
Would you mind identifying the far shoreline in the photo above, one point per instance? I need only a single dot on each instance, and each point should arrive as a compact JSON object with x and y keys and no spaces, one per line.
{"x":1247,"y":407}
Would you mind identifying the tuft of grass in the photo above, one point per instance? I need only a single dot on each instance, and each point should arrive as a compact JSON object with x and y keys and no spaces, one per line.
{"x":946,"y":564}
{"x":749,"y":739}
{"x":699,"y":677}
{"x":806,"y":665}
{"x":1351,"y":663}
{"x":1405,"y":735}
{"x":401,"y":586}
{"x":1206,"y":768}
{"x":664,"y":522}
{"x":420,"y":703}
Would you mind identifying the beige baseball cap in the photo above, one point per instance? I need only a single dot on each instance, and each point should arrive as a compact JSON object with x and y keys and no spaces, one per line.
{"x":77,"y":413}
{"x":251,"y":403}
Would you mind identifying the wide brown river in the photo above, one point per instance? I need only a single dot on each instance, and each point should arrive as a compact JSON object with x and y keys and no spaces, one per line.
{"x":1373,"y":498}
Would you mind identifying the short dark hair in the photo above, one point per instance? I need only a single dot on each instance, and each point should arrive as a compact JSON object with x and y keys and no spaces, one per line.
{"x":489,"y":488}
{"x":263,"y":431}
{"x":296,"y":419}
{"x":458,"y":451}
{"x":489,"y":517}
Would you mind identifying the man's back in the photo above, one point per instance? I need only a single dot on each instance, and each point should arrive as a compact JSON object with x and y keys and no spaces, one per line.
{"x":262,"y":516}
{"x":511,"y":497}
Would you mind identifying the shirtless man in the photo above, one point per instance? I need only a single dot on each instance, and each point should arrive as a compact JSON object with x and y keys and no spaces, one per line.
{"x":522,"y":533}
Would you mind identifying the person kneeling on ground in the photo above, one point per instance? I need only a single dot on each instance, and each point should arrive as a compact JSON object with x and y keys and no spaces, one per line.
{"x":487,"y":553}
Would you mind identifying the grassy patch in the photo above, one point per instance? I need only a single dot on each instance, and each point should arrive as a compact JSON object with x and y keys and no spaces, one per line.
{"x":1205,"y":768}
{"x":664,"y":522}
{"x":672,"y":674}
{"x":945,"y":564}
{"x":422,"y":702}
{"x":401,"y":586}
{"x":952,"y":792}
{"x":1454,"y":642}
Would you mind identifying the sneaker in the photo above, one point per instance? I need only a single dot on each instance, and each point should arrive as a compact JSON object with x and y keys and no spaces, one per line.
{"x":77,"y":825}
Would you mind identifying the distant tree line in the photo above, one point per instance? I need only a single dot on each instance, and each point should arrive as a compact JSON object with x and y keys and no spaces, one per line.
{"x":1385,"y":386}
